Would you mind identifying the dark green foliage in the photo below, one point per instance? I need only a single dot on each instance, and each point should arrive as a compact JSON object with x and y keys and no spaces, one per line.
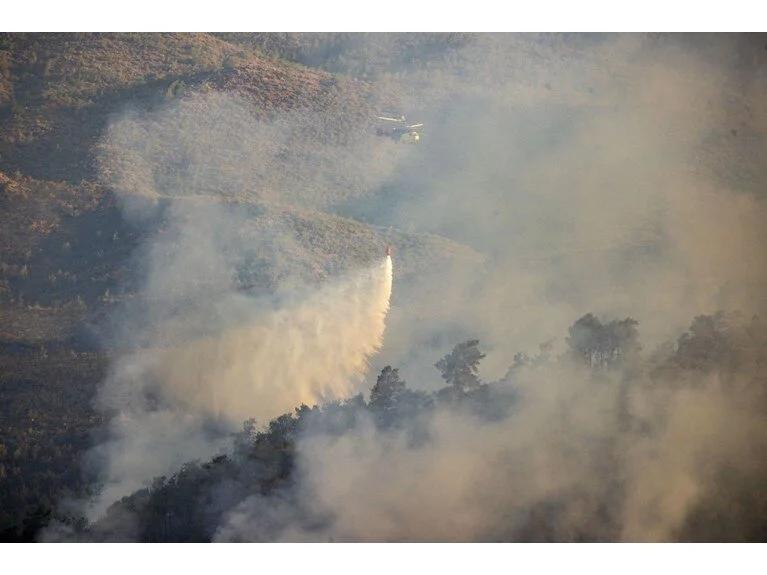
{"x":341,"y":416}
{"x":603,"y":345}
{"x":724,"y":343}
{"x":387,"y":391}
{"x":392,"y":403}
{"x":46,"y":422}
{"x":521,"y":359}
{"x":460,"y":367}
{"x":189,"y":505}
{"x":707,"y":343}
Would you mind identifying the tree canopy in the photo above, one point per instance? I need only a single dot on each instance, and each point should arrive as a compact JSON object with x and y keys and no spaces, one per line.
{"x":460,"y":368}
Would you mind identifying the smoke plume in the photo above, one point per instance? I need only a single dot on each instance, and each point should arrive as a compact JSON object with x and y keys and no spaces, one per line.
{"x":576,"y":458}
{"x":176,"y":401}
{"x":616,"y":174}
{"x":195,"y":354}
{"x":612,"y":174}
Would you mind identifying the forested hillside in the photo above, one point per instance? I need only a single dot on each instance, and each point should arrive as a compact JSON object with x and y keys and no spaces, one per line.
{"x":265,"y":489}
{"x":193,"y":230}
{"x":68,"y":254}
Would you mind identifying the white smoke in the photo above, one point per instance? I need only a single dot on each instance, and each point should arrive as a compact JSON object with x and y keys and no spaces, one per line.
{"x":182,"y":401}
{"x":264,"y":363}
{"x":562,"y":466}
{"x":585,"y":176}
{"x":197,"y":355}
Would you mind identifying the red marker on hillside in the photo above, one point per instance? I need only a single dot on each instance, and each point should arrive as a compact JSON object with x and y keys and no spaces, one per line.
{"x":388,"y":251}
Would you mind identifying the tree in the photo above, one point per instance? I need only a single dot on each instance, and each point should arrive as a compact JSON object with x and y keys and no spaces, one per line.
{"x":392,"y":404}
{"x":460,"y":367}
{"x":387,"y":390}
{"x":282,"y":428}
{"x":603,"y":345}
{"x":522,"y":360}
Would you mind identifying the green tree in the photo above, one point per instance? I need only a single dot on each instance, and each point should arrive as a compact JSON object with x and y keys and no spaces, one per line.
{"x":387,"y":390}
{"x":460,"y":367}
{"x":603,"y":345}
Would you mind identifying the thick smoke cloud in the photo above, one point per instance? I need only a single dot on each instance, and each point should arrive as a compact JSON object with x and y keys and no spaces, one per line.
{"x":213,"y":144}
{"x":181,"y":398}
{"x":578,"y":459}
{"x":600,"y":176}
{"x":195,"y":355}
{"x":618,"y":175}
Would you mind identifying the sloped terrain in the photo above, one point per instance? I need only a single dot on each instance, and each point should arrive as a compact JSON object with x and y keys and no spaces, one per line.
{"x":296,"y":141}
{"x":109,"y":142}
